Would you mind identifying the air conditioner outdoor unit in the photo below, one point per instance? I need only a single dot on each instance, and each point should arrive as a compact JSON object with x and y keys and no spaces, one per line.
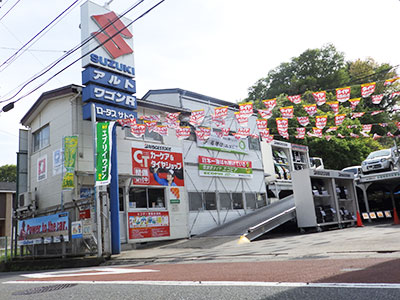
{"x":26,"y":199}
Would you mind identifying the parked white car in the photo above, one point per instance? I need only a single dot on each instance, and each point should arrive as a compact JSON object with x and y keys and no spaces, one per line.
{"x":381,"y":160}
{"x":356,"y":170}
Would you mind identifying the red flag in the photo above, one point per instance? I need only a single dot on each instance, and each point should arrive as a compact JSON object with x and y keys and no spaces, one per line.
{"x":341,"y":136}
{"x":310,"y":109}
{"x":397,"y":125}
{"x":367,"y":128}
{"x":138,"y":130}
{"x":269,"y":138}
{"x":394,"y":94}
{"x":390,"y":81}
{"x":320,"y":121}
{"x":334,"y":106}
{"x":317,"y":132}
{"x":303,"y":121}
{"x":389,"y":134}
{"x":376,"y":112}
{"x":156,"y":118}
{"x":364,"y":134}
{"x":376,"y":99}
{"x":354,"y":103}
{"x":282,"y":125}
{"x":320,"y":97}
{"x":339,"y":119}
{"x":242,"y":133}
{"x":332,"y":128}
{"x":367,"y":89}
{"x":343,"y":94}
{"x":183,"y":132}
{"x":242,"y":119}
{"x":220,"y":123}
{"x":328,"y":137}
{"x":270,"y":104}
{"x":262,"y":125}
{"x":220,"y":112}
{"x":151,"y":125}
{"x":287,"y":112}
{"x":357,"y":115}
{"x":246,"y":109}
{"x":296,"y":99}
{"x":376,"y":136}
{"x":265,"y":113}
{"x":161,"y":130}
{"x":353,"y":135}
{"x":127,"y":122}
{"x":197,"y":117}
{"x":301,"y":132}
{"x":203,"y":133}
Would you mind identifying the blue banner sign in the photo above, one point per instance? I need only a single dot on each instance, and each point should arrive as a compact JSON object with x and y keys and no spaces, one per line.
{"x":97,"y":93}
{"x":106,"y":112}
{"x":109,"y":79}
{"x":44,"y":230}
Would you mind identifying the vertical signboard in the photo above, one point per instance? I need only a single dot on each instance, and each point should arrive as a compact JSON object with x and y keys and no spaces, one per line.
{"x":42,"y":168}
{"x":104,"y":148}
{"x":70,"y":149}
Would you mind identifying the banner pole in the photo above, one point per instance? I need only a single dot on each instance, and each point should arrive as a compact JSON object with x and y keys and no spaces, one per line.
{"x":95,"y":189}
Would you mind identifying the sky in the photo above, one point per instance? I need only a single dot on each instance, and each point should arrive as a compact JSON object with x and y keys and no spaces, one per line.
{"x":217,"y":48}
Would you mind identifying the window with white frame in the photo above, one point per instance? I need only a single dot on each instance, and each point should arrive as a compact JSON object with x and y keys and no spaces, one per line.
{"x":41,"y":138}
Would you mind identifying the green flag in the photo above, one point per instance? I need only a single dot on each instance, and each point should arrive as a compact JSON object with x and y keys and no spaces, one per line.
{"x":70,"y":147}
{"x":103,"y":150}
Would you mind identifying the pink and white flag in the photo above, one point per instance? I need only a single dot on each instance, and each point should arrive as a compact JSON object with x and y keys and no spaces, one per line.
{"x":303,"y":121}
{"x":339,"y":119}
{"x":376,"y":99}
{"x":354,"y":102}
{"x":287,"y":112}
{"x":296,"y":99}
{"x":320,"y":97}
{"x":270,"y":104}
{"x":343,"y":94}
{"x":334,"y":105}
{"x":367,"y":89}
{"x":320,"y":121}
{"x":265,"y":113}
{"x":311,"y":109}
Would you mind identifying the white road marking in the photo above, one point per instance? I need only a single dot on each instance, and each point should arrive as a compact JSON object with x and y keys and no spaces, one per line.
{"x":226,"y":283}
{"x":87,"y":272}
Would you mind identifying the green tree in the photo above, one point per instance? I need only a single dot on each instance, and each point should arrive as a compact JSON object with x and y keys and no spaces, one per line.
{"x":326,"y":69}
{"x":8,"y":173}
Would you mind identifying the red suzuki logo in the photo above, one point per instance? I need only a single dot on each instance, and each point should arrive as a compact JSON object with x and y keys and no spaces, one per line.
{"x":116,"y":45}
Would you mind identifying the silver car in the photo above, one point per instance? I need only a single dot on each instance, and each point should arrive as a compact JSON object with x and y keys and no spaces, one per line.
{"x":381,"y":160}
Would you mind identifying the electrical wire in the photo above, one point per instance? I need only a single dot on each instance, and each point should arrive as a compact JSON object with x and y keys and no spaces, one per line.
{"x":9,"y":10}
{"x":13,"y":57}
{"x":71,"y":51}
{"x":34,"y":50}
{"x":100,"y":45}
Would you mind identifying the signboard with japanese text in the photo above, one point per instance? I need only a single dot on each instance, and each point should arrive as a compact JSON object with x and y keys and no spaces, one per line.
{"x":107,"y":112}
{"x":108,"y":79}
{"x":157,"y":165}
{"x":210,"y":166}
{"x":44,"y":230}
{"x":76,"y":230}
{"x":97,"y":93}
{"x":103,"y":149}
{"x":148,"y":224}
{"x":225,"y":144}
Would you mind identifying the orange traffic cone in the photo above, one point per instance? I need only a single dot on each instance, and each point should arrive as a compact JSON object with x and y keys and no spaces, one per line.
{"x":359,"y":222}
{"x":395,"y":217}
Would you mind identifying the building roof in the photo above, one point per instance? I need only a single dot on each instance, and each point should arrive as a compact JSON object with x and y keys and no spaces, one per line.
{"x":8,"y":186}
{"x":46,"y":96}
{"x":190,"y":94}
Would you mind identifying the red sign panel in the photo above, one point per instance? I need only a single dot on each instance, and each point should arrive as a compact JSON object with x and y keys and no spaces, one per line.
{"x":156,"y":167}
{"x":148,"y":224}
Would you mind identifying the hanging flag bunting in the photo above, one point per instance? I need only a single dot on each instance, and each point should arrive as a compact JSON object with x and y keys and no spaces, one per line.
{"x":367,"y":89}
{"x":138,"y":130}
{"x":353,"y":135}
{"x":296,"y":99}
{"x":376,"y":112}
{"x":246,"y":109}
{"x":351,"y":126}
{"x":270,"y":104}
{"x":262,"y":125}
{"x":394,"y":94}
{"x":303,"y":121}
{"x":328,"y":137}
{"x":269,"y":139}
{"x":320,"y":97}
{"x":264,"y":134}
{"x":203,"y":133}
{"x":389,"y":134}
{"x":126,"y":122}
{"x":383,"y":124}
{"x":332,"y":128}
{"x":354,"y":102}
{"x":340,"y":136}
{"x":317,"y":132}
{"x":366,"y":128}
{"x":320,"y":121}
{"x":311,"y":109}
{"x":70,"y":145}
{"x":197,"y":117}
{"x":172,"y":117}
{"x":242,"y":133}
{"x":287,"y":112}
{"x":339,"y":119}
{"x":282,"y":125}
{"x":225,"y":131}
{"x":301,"y":132}
{"x":343,"y":94}
{"x":150,"y":125}
{"x":220,"y":112}
{"x":357,"y":115}
{"x":242,"y":119}
{"x":254,"y":136}
{"x":182,"y":132}
{"x":390,"y":81}
{"x":334,"y":105}
{"x":173,"y":124}
{"x":376,"y":99}
{"x":376,"y":136}
{"x":265,"y":113}
{"x":220,"y":123}
{"x":364,"y":134}
{"x":156,"y":118}
{"x":397,"y":125}
{"x":161,"y":130}
{"x":103,"y":151}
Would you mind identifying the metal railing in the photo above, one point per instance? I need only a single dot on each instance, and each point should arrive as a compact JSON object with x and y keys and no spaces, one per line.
{"x":5,"y":246}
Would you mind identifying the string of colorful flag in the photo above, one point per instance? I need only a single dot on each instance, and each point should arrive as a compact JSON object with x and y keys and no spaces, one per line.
{"x":220,"y":116}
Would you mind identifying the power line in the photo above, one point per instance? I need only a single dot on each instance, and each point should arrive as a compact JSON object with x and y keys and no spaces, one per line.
{"x":71,"y":51}
{"x":34,"y":50}
{"x":9,"y":10}
{"x":100,"y":45}
{"x":13,"y":57}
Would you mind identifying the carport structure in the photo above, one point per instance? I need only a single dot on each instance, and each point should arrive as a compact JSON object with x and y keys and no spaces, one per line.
{"x":374,"y":189}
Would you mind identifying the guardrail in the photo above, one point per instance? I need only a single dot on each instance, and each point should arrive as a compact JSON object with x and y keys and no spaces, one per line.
{"x":4,"y":248}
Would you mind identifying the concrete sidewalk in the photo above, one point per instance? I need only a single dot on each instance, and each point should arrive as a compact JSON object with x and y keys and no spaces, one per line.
{"x":378,"y":241}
